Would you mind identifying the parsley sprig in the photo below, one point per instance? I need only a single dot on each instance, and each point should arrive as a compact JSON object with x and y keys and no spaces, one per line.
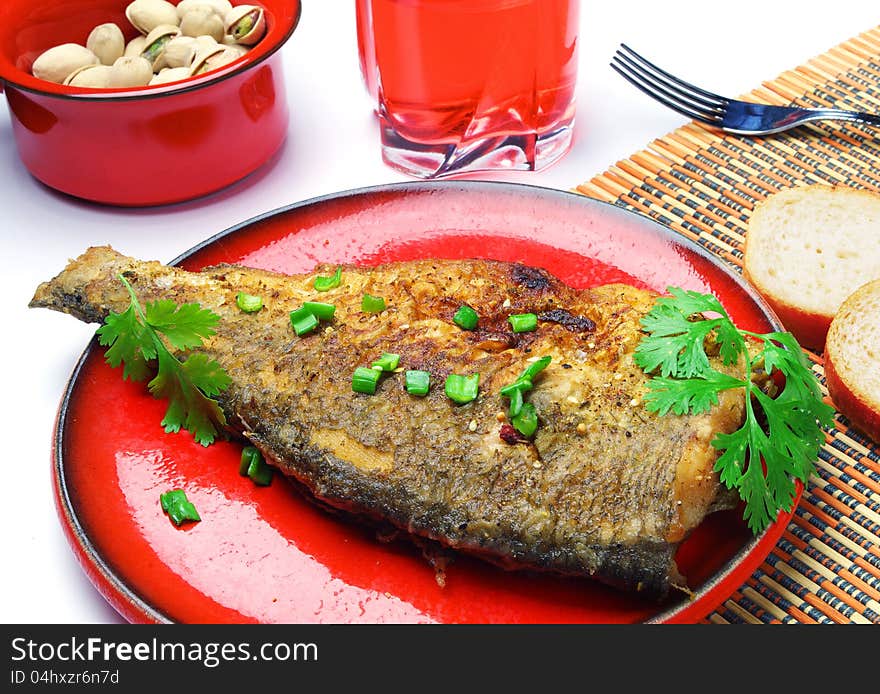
{"x":133,"y":340}
{"x":780,"y":437}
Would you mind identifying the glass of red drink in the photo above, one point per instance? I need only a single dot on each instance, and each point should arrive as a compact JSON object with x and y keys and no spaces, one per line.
{"x":470,"y":85}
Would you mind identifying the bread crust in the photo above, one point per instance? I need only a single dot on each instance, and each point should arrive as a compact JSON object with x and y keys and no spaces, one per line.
{"x":810,"y":329}
{"x":849,"y":395}
{"x":860,"y":412}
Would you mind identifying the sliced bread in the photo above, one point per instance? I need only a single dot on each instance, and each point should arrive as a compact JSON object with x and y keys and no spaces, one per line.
{"x":807,"y":249}
{"x":852,"y":359}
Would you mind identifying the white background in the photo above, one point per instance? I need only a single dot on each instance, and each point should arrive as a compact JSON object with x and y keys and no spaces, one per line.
{"x":332,"y":146}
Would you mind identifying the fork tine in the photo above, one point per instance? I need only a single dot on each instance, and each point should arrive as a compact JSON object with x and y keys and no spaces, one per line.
{"x":668,"y":87}
{"x":655,"y":84}
{"x":674,"y":101}
{"x":715,"y":99}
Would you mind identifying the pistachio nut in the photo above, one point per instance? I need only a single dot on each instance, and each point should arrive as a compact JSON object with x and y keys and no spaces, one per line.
{"x":155,"y":42}
{"x":246,"y":24}
{"x":93,"y":76}
{"x":146,"y":15}
{"x":213,"y":58}
{"x":238,"y":48}
{"x":107,"y":42}
{"x":202,"y":20}
{"x":179,"y":53}
{"x":136,"y":46}
{"x":58,"y":62}
{"x":131,"y":72}
{"x":170,"y":74}
{"x":203,"y":43}
{"x":221,"y":7}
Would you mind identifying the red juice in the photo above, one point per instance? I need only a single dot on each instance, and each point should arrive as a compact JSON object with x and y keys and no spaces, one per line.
{"x":448,"y":74}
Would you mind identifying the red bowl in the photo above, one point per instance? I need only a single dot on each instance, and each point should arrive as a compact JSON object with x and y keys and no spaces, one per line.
{"x":144,"y":145}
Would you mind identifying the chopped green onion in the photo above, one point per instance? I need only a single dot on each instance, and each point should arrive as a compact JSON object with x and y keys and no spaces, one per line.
{"x":516,"y":402}
{"x":325,"y":284}
{"x":387,"y":362}
{"x":536,"y":367}
{"x":364,"y":380}
{"x":466,"y":318}
{"x":319,"y":310}
{"x":462,"y":389}
{"x":178,"y":507}
{"x":521,"y":384}
{"x":522,"y":414}
{"x":523,"y":322}
{"x":253,"y":465}
{"x":303,"y":321}
{"x":372,"y":304}
{"x":526,"y":421}
{"x":418,"y":382}
{"x":248,"y":455}
{"x":248,"y":302}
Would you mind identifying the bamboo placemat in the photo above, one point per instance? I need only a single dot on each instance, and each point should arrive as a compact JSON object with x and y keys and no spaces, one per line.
{"x":704,"y":184}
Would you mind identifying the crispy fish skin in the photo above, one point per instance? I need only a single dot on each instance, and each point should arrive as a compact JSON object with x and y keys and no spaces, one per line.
{"x":605,"y":489}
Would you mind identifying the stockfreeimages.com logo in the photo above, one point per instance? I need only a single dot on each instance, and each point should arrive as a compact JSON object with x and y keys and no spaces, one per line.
{"x":212,"y":654}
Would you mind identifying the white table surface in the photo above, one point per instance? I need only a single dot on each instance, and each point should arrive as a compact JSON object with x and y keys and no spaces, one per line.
{"x":332,"y":145}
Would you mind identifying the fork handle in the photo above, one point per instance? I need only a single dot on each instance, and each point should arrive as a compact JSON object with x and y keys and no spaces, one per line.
{"x":746,"y":118}
{"x":813,"y":114}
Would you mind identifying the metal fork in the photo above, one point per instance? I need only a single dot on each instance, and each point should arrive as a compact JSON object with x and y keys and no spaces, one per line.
{"x":730,"y":115}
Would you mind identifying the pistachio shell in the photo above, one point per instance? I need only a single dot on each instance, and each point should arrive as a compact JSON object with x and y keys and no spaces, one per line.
{"x":170,"y":74}
{"x":246,"y":24}
{"x":136,"y":46}
{"x":93,"y":76}
{"x":59,"y":61}
{"x":204,"y":43}
{"x":202,"y":55}
{"x":202,"y":20}
{"x":107,"y":42}
{"x":155,"y":43}
{"x":146,"y":15}
{"x":162,"y":31}
{"x":179,"y":52}
{"x":131,"y":72}
{"x":221,"y":7}
{"x":238,"y":48}
{"x":213,"y":58}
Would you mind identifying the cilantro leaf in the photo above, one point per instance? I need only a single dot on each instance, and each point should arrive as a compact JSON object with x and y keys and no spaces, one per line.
{"x":129,"y":344}
{"x":190,"y":383}
{"x":689,"y":302}
{"x":188,"y":406}
{"x":676,"y":342}
{"x":763,"y":465}
{"x":694,"y":395}
{"x":735,"y":468}
{"x":184,"y":326}
{"x":676,"y":347}
{"x":780,"y":438}
{"x":730,"y":341}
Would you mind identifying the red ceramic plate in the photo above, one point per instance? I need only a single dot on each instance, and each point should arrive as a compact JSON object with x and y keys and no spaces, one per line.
{"x":266,"y":554}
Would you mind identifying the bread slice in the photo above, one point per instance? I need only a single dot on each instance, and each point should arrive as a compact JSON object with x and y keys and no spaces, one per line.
{"x":807,"y":249}
{"x":852,"y":359}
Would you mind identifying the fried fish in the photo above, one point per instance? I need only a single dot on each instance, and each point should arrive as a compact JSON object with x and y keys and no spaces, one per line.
{"x":604,"y":488}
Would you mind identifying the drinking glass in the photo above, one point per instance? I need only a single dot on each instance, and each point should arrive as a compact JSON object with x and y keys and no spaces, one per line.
{"x":470,"y":85}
